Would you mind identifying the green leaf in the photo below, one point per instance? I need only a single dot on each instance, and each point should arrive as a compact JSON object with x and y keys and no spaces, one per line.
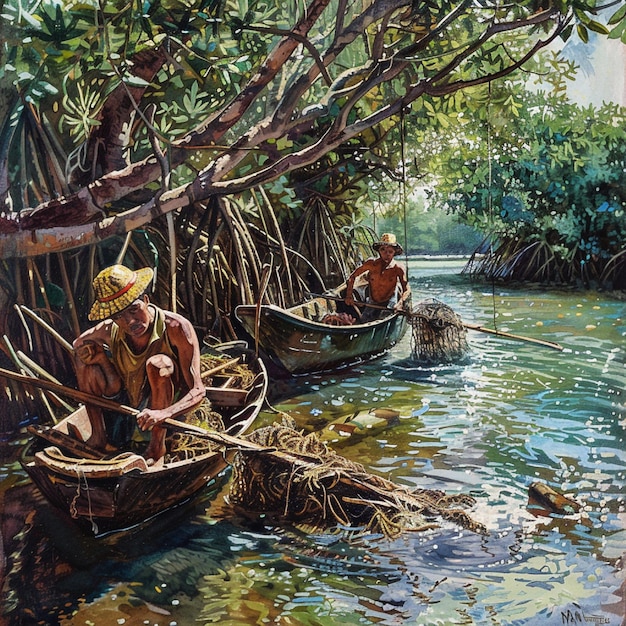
{"x":619,"y":32}
{"x":598,"y":28}
{"x":618,"y":16}
{"x":135,"y":81}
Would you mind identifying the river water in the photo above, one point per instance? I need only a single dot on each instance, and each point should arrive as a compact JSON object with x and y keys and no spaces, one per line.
{"x":510,"y":414}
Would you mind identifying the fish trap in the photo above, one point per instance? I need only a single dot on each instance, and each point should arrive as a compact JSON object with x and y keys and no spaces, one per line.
{"x":438,"y":333}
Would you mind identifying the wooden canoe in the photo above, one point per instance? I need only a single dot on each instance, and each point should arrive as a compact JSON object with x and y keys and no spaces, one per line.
{"x":298,"y":341}
{"x":122,"y":491}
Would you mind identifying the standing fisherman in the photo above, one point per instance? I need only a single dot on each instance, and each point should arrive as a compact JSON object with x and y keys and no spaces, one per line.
{"x":384,"y":276}
{"x":138,"y":355}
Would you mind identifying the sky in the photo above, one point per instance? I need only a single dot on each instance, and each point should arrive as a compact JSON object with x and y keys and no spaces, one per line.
{"x":602,"y":77}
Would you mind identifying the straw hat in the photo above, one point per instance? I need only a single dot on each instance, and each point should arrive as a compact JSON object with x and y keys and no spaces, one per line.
{"x":388,"y":239}
{"x":117,"y":287}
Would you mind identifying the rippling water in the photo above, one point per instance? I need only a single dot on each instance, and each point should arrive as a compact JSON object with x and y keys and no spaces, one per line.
{"x":510,"y":414}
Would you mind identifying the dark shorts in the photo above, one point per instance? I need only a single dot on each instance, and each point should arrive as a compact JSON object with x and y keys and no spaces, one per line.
{"x":122,"y":430}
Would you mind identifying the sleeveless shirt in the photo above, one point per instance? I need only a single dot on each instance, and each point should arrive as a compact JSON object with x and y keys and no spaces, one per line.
{"x":132,"y":366}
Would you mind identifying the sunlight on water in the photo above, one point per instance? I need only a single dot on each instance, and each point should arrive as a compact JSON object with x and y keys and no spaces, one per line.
{"x":511,"y":413}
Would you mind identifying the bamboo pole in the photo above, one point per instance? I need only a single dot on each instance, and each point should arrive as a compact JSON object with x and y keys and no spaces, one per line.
{"x":62,"y":341}
{"x":23,"y":368}
{"x":33,"y":368}
{"x":219,"y":368}
{"x":88,"y":398}
{"x":29,"y":336}
{"x":265,"y":277}
{"x":76,"y":394}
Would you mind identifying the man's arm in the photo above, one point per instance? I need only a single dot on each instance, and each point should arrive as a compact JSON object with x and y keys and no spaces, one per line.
{"x":89,"y":349}
{"x":183,"y":338}
{"x":406,"y":291}
{"x":349,"y":300}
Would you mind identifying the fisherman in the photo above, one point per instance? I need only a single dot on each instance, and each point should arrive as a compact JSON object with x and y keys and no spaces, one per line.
{"x":138,"y":355}
{"x":384,"y":276}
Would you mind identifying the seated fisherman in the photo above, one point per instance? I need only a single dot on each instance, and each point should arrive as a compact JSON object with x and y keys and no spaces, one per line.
{"x":384,"y":276}
{"x":138,"y":355}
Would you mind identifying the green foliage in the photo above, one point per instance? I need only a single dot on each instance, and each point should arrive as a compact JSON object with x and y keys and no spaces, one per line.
{"x":553,"y":176}
{"x":326,"y":122}
{"x":428,"y":231}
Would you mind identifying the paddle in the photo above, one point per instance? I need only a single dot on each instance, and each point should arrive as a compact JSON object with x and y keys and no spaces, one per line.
{"x":477,"y":327}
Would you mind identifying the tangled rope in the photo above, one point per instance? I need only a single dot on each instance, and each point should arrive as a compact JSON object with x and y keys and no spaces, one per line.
{"x":311,"y":485}
{"x":438,"y":333}
{"x":241,"y":375}
{"x":184,"y":446}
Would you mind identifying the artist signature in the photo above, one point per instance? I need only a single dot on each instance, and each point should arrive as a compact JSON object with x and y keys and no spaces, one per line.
{"x":578,"y":616}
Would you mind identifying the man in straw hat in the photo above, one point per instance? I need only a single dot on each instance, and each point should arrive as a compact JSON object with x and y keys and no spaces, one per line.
{"x":383,"y":277}
{"x":140,"y":356}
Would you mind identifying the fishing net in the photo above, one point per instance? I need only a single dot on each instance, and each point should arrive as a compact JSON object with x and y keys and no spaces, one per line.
{"x":298,"y":479}
{"x":438,"y":333}
{"x":183,"y":446}
{"x":240,"y":375}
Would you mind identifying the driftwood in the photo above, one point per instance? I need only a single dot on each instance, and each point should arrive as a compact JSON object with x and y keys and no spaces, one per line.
{"x":552,"y":500}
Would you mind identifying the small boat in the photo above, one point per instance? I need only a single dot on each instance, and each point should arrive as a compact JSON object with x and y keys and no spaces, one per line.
{"x":119,"y":492}
{"x":311,"y":337}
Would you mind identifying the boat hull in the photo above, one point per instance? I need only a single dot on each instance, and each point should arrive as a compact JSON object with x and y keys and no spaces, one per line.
{"x":300,"y":345}
{"x":104,"y":505}
{"x":119,"y":494}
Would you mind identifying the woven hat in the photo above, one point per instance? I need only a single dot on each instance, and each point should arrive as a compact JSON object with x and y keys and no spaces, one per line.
{"x":117,"y":287}
{"x":388,"y":239}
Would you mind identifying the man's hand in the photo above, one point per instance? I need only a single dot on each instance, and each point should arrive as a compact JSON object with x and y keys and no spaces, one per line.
{"x":149,"y":418}
{"x":90,"y":352}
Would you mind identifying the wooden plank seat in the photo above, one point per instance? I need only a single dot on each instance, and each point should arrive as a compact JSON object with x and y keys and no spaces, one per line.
{"x":53,"y":458}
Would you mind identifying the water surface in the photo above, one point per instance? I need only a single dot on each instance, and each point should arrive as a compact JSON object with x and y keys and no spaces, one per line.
{"x":509,"y":414}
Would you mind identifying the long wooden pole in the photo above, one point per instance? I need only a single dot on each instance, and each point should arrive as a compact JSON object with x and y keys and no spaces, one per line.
{"x":265,"y":277}
{"x":105,"y":403}
{"x":62,"y":341}
{"x":386,"y":490}
{"x":88,"y":398}
{"x":70,"y":392}
{"x":477,"y":327}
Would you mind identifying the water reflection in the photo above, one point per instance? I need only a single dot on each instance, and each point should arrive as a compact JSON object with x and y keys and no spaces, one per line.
{"x":509,"y":414}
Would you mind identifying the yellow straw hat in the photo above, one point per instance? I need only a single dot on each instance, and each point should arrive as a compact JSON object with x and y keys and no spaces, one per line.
{"x":117,"y":287}
{"x":388,"y":239}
